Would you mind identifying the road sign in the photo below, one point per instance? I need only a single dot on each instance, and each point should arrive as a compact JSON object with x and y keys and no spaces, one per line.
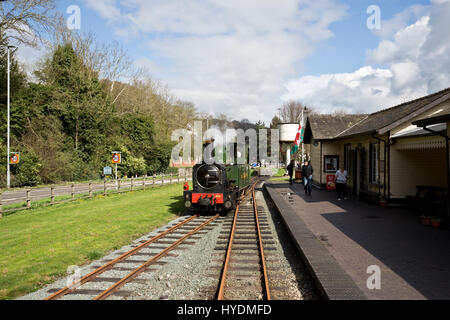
{"x":14,"y":158}
{"x":107,"y":171}
{"x":116,"y":157}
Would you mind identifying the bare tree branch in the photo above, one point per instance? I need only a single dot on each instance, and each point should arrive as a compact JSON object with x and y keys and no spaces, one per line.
{"x":25,"y":21}
{"x":291,"y":112}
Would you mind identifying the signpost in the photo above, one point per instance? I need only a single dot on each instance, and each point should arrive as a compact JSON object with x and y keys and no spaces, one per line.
{"x":14,"y":157}
{"x":116,"y":159}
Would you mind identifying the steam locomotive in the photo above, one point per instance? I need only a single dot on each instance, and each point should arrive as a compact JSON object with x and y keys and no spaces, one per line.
{"x":216,"y":187}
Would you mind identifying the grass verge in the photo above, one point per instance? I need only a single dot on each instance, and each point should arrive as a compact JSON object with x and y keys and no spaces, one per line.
{"x":281,"y":172}
{"x":280,"y":179}
{"x":38,"y":245}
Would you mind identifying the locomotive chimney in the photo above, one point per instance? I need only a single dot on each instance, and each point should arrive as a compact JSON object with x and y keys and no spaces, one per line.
{"x":208,"y":151}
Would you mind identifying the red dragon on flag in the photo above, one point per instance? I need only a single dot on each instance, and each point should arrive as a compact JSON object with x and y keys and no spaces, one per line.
{"x":299,"y":136}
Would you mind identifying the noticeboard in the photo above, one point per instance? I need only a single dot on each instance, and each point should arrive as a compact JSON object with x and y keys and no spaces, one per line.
{"x":107,"y":171}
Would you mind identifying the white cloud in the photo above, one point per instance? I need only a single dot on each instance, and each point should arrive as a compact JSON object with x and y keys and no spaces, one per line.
{"x":106,"y":9}
{"x":400,"y":21}
{"x":440,"y":1}
{"x":362,"y":91}
{"x":407,"y":43}
{"x":410,"y":61}
{"x":241,"y":57}
{"x":227,"y":57}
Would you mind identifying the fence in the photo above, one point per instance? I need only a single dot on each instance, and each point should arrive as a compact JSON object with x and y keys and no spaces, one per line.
{"x":67,"y":193}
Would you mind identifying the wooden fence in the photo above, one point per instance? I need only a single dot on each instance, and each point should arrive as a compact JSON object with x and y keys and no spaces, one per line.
{"x":84,"y":191}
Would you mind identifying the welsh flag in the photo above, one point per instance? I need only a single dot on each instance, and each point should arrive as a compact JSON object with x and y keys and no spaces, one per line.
{"x":299,"y":136}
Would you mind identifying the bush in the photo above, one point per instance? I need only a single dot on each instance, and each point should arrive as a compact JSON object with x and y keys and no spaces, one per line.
{"x":172,"y":170}
{"x":135,"y":166}
{"x":26,"y":173}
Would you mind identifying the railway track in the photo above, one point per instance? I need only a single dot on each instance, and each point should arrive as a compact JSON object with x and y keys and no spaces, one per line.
{"x":141,"y":257}
{"x":244,"y":274}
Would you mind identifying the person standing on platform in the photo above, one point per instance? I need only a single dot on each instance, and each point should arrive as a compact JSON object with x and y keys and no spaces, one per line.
{"x":305,"y":179}
{"x":307,"y":173}
{"x":341,"y":183}
{"x":290,"y":169}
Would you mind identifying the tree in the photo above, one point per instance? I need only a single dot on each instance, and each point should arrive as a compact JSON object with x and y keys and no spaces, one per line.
{"x":274,"y":123}
{"x":24,"y":21}
{"x":18,"y":82}
{"x":291,"y":112}
{"x":66,"y":123}
{"x":79,"y":99}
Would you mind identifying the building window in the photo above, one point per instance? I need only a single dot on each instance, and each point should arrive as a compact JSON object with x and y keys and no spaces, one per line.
{"x":374,"y":151}
{"x":331,"y":163}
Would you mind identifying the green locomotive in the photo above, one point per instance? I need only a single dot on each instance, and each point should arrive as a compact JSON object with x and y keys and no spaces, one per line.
{"x":216,"y":187}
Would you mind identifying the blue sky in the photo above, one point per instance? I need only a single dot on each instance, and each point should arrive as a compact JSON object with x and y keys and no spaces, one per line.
{"x":245,"y":58}
{"x":346,"y":51}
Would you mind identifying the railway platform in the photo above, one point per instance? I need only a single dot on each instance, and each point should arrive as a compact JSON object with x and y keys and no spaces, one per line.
{"x":340,"y":240}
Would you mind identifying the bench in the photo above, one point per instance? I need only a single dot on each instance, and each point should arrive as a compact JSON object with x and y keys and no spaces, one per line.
{"x":430,"y":200}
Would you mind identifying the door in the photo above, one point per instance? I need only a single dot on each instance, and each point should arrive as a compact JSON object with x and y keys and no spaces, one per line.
{"x":352,"y":171}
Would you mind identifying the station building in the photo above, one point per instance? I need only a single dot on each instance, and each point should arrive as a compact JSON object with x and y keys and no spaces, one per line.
{"x":388,"y":154}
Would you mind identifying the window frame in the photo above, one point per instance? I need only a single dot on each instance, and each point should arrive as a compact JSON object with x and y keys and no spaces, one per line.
{"x":325,"y":158}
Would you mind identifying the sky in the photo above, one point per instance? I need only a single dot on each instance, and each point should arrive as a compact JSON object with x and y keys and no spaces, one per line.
{"x":245,"y":58}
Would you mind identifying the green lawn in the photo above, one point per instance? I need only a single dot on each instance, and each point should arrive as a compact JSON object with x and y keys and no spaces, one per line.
{"x":281,"y":172}
{"x":37,"y":246}
{"x":280,"y":179}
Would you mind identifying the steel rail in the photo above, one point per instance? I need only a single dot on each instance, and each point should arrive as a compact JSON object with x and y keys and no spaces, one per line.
{"x":141,"y":268}
{"x":221,"y":293}
{"x":261,"y":248}
{"x":96,"y":272}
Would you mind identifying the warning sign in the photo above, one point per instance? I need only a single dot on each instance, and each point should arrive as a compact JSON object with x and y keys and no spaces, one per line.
{"x":116,"y":157}
{"x":14,"y":158}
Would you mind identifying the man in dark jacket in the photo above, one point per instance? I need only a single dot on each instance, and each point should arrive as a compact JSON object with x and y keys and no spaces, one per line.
{"x":307,"y":172}
{"x":305,"y":180}
{"x":290,"y":168}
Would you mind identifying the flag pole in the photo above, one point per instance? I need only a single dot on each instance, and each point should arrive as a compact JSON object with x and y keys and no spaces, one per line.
{"x":301,"y":137}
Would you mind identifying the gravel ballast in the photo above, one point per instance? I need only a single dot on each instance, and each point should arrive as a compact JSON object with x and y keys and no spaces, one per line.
{"x":192,"y":270}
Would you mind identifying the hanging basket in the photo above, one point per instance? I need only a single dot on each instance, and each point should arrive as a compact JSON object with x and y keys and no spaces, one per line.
{"x":436,"y":222}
